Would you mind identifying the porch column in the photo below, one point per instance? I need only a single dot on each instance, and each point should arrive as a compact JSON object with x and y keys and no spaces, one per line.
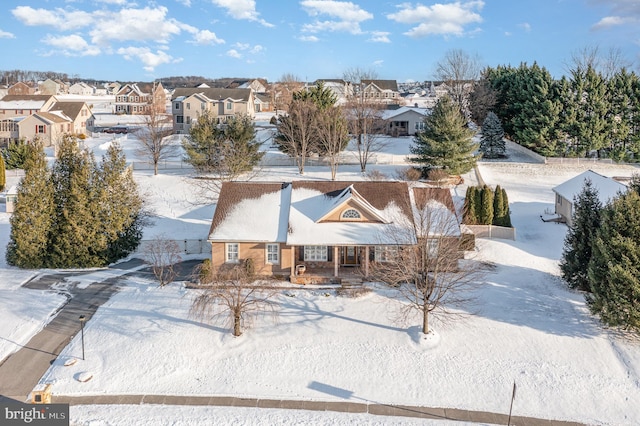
{"x":293,"y":261}
{"x":366,"y":261}
{"x":336,"y":261}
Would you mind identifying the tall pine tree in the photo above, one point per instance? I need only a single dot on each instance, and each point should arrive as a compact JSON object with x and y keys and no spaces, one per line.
{"x":579,"y":239}
{"x":492,"y":143}
{"x":121,"y":216}
{"x":446,"y":143}
{"x":470,"y":207}
{"x":614,"y":268}
{"x":33,"y":214}
{"x":486,"y":206}
{"x":76,"y":241}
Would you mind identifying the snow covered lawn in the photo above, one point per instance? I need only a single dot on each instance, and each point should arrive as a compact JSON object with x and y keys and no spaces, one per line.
{"x":524,"y":326}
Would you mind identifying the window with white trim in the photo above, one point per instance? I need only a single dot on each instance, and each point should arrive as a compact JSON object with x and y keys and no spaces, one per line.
{"x":232,"y":251}
{"x":315,"y":253}
{"x":273,"y":254}
{"x":385,"y":253}
{"x":432,"y":247}
{"x":351,"y":214}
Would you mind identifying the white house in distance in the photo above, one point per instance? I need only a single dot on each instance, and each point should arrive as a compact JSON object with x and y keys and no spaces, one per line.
{"x":405,"y":121}
{"x":607,"y":189}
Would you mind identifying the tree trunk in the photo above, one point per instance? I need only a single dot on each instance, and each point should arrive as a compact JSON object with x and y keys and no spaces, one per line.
{"x":425,"y":319}
{"x":237,"y":331}
{"x":155,"y":168}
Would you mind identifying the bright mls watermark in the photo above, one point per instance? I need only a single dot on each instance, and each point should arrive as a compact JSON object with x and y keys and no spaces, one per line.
{"x":41,"y":414}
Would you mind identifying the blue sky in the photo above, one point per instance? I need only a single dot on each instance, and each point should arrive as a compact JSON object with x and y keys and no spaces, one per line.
{"x":129,"y":40}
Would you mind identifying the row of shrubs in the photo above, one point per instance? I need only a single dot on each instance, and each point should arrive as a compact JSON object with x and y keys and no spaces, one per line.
{"x":484,"y":206}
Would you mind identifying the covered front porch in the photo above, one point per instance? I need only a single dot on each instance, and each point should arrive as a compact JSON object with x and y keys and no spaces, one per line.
{"x":346,"y":265}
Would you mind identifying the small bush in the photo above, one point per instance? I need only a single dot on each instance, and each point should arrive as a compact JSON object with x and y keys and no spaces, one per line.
{"x":409,"y":174}
{"x":376,"y":175}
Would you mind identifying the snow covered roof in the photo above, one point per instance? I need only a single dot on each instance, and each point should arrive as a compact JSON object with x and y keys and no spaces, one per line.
{"x":251,"y":211}
{"x":310,"y":212}
{"x":392,"y":113}
{"x":607,"y":187}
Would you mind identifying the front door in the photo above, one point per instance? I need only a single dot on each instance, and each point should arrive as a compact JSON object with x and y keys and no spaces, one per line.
{"x":350,"y":255}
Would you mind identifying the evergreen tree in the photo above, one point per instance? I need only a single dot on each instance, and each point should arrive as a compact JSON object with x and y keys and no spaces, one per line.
{"x":223,"y":151}
{"x":579,"y":239}
{"x":588,"y":127}
{"x":3,"y":175}
{"x":75,"y":241}
{"x":506,"y":218}
{"x":15,"y":154}
{"x":486,"y":206}
{"x":446,"y":143}
{"x":498,"y":207}
{"x":319,"y":94}
{"x":33,"y":214}
{"x":120,"y":214}
{"x":614,"y":268}
{"x":470,"y":207}
{"x":624,"y":144}
{"x":492,"y":143}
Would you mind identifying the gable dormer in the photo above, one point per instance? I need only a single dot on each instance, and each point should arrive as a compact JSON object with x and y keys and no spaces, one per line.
{"x":350,"y":206}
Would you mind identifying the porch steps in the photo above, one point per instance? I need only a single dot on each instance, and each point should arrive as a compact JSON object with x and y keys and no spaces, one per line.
{"x":351,"y":282}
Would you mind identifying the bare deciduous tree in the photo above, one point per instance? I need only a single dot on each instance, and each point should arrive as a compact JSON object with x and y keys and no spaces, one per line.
{"x":163,"y":254}
{"x":591,"y":57}
{"x":297,"y":131}
{"x":154,"y":143}
{"x":458,"y":69}
{"x":235,"y":296}
{"x":431,"y":275}
{"x":366,"y":126}
{"x":333,"y":136}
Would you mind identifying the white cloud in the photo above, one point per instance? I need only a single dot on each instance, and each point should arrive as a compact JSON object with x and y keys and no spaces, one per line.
{"x":441,"y":19}
{"x":257,"y":49}
{"x":206,"y":37}
{"x":150,"y":59}
{"x":234,"y":54}
{"x":525,"y":26}
{"x":186,"y":3}
{"x":310,"y":38}
{"x":5,"y":34}
{"x":346,"y":16}
{"x":380,"y":37}
{"x":135,"y":24}
{"x":242,"y":9}
{"x":58,"y":18}
{"x":613,"y":21}
{"x":378,"y":63}
{"x":71,"y":45}
{"x":118,"y":2}
{"x":242,"y":46}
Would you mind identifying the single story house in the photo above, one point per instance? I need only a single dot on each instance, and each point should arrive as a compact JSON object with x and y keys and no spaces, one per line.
{"x":324,"y":231}
{"x":405,"y":121}
{"x":607,"y":189}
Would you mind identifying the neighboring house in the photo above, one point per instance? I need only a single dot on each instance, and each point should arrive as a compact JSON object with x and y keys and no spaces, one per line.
{"x":607,"y":189}
{"x":53,"y":118}
{"x":23,"y":105}
{"x":49,"y":87}
{"x":47,"y":127}
{"x":319,"y":231}
{"x":256,"y":84}
{"x":384,"y":91}
{"x":405,"y":121}
{"x":82,"y":119}
{"x":21,"y":88}
{"x":138,"y":99}
{"x":82,"y":88}
{"x":112,"y":88}
{"x":187,"y":104}
{"x":262,"y":103}
{"x":343,"y":90}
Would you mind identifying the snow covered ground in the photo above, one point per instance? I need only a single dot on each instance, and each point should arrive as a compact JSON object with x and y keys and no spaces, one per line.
{"x":524,"y":326}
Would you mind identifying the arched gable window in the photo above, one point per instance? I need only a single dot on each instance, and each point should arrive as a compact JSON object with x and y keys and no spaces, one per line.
{"x":351,"y":214}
